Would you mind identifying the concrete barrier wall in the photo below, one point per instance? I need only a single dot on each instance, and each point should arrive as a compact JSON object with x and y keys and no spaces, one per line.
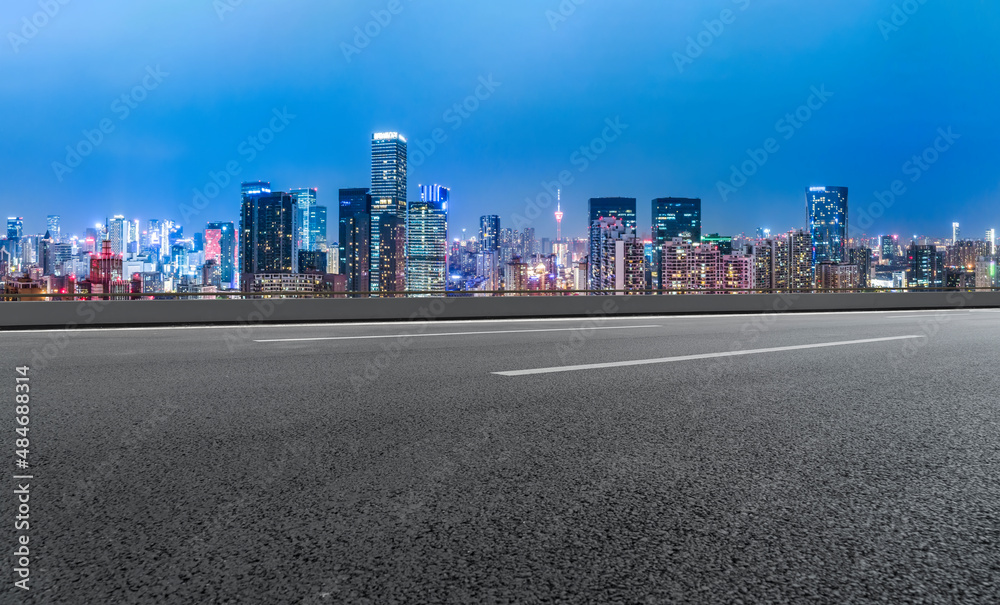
{"x":80,"y":314}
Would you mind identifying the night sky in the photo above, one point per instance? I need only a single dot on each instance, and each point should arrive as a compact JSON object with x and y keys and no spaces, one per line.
{"x":223,"y":68}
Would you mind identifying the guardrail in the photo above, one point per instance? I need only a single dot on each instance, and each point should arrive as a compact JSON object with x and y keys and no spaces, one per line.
{"x":460,"y":294}
{"x":276,"y":308}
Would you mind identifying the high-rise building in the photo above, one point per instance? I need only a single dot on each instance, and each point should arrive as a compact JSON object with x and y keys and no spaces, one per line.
{"x":763,"y":253}
{"x":832,"y":276}
{"x":220,"y":246}
{"x":673,"y":217}
{"x":305,"y":216}
{"x":267,"y":242}
{"x":117,"y":233}
{"x":956,"y":232}
{"x":991,"y":238}
{"x":52,"y":224}
{"x":800,"y":260}
{"x":926,"y":267}
{"x":559,"y":215}
{"x":15,"y":227}
{"x":621,"y":262}
{"x":826,"y":214}
{"x":621,"y":208}
{"x":355,"y":237}
{"x":676,"y":217}
{"x":887,"y":250}
{"x":427,"y":244}
{"x":862,"y":258}
{"x":388,"y":212}
{"x":489,"y":233}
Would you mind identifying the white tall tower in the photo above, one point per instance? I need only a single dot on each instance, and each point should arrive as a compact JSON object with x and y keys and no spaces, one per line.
{"x":956,"y":232}
{"x":559,"y":215}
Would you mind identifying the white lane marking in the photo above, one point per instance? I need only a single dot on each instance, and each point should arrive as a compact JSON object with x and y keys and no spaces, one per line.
{"x":640,"y":362}
{"x":916,"y":316}
{"x":369,"y":337}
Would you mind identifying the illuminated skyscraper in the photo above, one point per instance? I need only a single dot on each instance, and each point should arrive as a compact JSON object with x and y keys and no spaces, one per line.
{"x":489,"y":233}
{"x":887,"y":250}
{"x":926,"y":267}
{"x":52,"y":224}
{"x":427,"y":242}
{"x":621,"y":208}
{"x":266,"y":231}
{"x":388,"y":212}
{"x":117,"y":233}
{"x":355,"y":237}
{"x":991,"y":237}
{"x":15,"y":227}
{"x":826,"y":214}
{"x":956,"y":233}
{"x":220,"y":246}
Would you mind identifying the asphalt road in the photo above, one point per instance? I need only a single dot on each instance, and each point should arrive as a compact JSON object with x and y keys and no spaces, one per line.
{"x":344,"y":464}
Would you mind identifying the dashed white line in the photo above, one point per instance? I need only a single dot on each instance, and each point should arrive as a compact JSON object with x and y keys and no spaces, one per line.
{"x":640,"y":362}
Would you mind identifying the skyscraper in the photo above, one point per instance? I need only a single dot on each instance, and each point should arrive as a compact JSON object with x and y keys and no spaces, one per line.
{"x":15,"y":227}
{"x":388,"y":212}
{"x":956,"y":232}
{"x":489,"y":233}
{"x":676,"y":217}
{"x":862,"y":258}
{"x":673,"y":217}
{"x":622,"y":208}
{"x":266,"y":231}
{"x":305,"y":214}
{"x":926,"y":267}
{"x":427,"y":243}
{"x":991,"y":237}
{"x":117,"y":233}
{"x":52,"y":224}
{"x":220,"y":246}
{"x":887,"y":250}
{"x":826,"y":215}
{"x":355,"y":237}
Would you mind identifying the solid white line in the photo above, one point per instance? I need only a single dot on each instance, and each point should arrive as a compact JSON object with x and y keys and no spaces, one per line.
{"x":641,"y":362}
{"x":915,"y":316}
{"x":370,"y":337}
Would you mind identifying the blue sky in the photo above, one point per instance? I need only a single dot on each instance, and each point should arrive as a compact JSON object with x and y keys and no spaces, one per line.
{"x":226,"y":66}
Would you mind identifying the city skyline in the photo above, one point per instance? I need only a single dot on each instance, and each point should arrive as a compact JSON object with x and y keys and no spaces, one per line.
{"x":532,"y":116}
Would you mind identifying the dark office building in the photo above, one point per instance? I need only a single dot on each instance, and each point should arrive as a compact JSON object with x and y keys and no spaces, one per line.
{"x":673,"y":217}
{"x":862,"y":257}
{"x":826,"y":213}
{"x":312,"y":261}
{"x":622,"y":208}
{"x":489,"y":233}
{"x":926,"y":267}
{"x":888,"y":248}
{"x":267,"y":243}
{"x":355,"y":237}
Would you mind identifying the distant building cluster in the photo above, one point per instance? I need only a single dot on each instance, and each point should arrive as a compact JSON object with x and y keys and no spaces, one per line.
{"x":389,"y":246}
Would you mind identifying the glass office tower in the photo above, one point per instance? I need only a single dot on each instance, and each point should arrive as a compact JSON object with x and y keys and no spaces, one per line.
{"x":388,"y":212}
{"x":355,"y":237}
{"x":826,"y":213}
{"x":427,"y":241}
